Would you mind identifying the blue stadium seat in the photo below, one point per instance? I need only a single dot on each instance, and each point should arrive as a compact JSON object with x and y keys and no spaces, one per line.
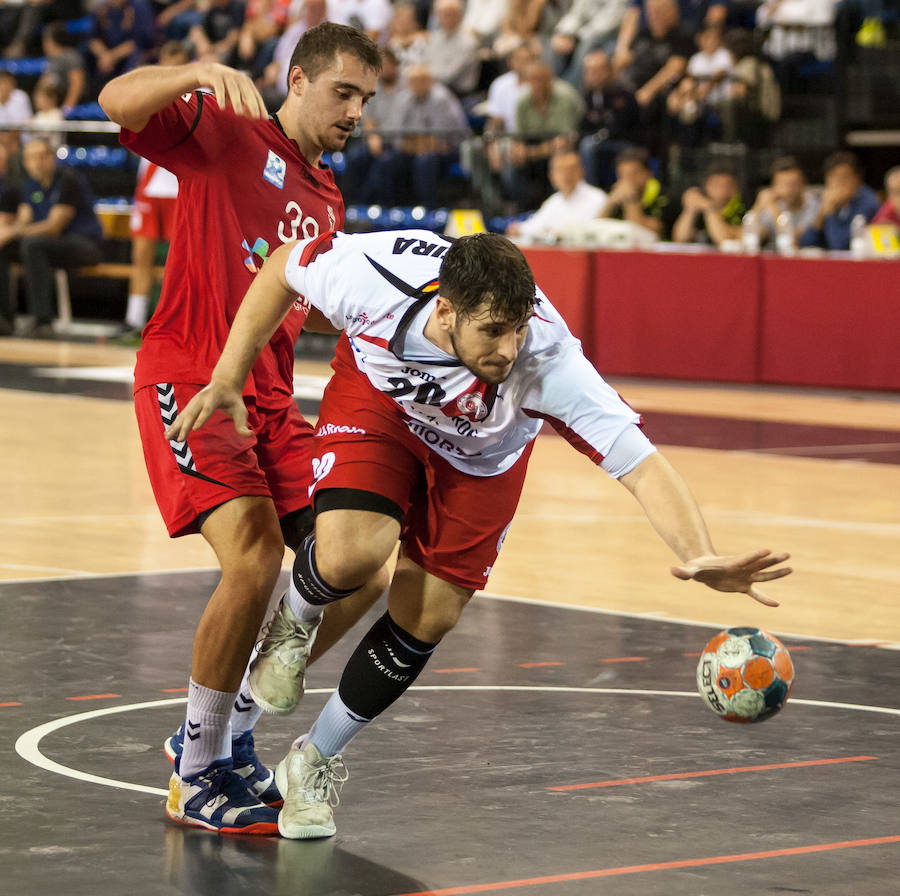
{"x":94,"y":156}
{"x":87,"y":112}
{"x":25,"y":68}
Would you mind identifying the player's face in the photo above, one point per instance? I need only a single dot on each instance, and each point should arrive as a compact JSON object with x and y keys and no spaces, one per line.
{"x":487,"y":347}
{"x":330,"y":107}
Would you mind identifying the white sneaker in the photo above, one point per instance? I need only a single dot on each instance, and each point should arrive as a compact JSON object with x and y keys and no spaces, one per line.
{"x":277,"y":673}
{"x":311,"y":785}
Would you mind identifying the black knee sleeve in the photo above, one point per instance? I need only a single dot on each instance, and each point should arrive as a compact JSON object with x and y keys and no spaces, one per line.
{"x":307,"y":579}
{"x":386,"y":662}
{"x":296,"y":525}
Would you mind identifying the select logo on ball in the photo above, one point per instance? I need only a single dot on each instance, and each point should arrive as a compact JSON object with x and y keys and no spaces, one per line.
{"x":745,"y":675}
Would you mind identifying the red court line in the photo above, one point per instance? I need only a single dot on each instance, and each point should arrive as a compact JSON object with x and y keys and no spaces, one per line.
{"x":714,"y":771}
{"x":12,"y":703}
{"x":94,"y":697}
{"x":658,"y":866}
{"x":625,"y":659}
{"x":174,"y":690}
{"x":537,"y":665}
{"x":465,"y":669}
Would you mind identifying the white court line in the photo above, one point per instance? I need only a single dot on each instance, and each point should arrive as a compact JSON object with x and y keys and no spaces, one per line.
{"x":28,"y":744}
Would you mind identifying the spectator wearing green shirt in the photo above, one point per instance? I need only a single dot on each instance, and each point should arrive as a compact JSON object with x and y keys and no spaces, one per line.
{"x":547,"y":121}
{"x":713,"y":214}
{"x":637,"y":196}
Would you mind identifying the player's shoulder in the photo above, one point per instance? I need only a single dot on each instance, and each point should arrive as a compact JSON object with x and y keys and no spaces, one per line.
{"x":397,"y":252}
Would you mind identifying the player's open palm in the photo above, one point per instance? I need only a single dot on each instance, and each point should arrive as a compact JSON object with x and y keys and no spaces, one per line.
{"x":736,"y":573}
{"x":214,"y":397}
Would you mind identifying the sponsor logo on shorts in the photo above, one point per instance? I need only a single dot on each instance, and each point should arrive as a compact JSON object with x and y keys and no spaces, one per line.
{"x":275,"y":170}
{"x":331,"y":429}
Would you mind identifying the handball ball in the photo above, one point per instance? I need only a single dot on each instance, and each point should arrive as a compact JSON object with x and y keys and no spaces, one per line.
{"x":745,"y":675}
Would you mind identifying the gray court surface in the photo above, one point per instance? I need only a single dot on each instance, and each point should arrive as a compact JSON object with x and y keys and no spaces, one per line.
{"x":545,"y":751}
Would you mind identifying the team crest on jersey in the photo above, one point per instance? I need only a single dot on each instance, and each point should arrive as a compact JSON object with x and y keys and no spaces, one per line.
{"x":259,"y":250}
{"x":472,"y":405}
{"x":275,"y":170}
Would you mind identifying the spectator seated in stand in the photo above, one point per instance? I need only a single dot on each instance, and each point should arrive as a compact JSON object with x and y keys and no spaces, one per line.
{"x":637,"y":196}
{"x":123,"y":33}
{"x":215,"y":37}
{"x":375,"y":152}
{"x":451,"y":51}
{"x":657,"y":59}
{"x":712,"y":215}
{"x":788,"y":195}
{"x":9,"y":203}
{"x":407,"y":40}
{"x":845,"y":196}
{"x":273,"y":82}
{"x":611,"y":121}
{"x":431,"y":123}
{"x":263,"y":22}
{"x":47,"y":110}
{"x":797,"y":33}
{"x":21,"y":23}
{"x":65,"y":65}
{"x":522,"y":25}
{"x":693,"y":104}
{"x":14,"y":106}
{"x":889,"y":213}
{"x":371,"y":16}
{"x":574,"y":203}
{"x":588,"y":25}
{"x":55,"y":227}
{"x":547,"y":121}
{"x":752,"y":102}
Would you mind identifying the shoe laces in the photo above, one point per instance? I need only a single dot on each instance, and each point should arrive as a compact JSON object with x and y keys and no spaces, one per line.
{"x":278,"y":631}
{"x":323,"y":781}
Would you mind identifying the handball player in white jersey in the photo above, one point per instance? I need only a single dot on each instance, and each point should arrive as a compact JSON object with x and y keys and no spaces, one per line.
{"x":450,"y":361}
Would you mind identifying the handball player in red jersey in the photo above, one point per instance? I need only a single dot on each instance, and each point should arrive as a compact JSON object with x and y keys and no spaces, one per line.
{"x":248,"y":182}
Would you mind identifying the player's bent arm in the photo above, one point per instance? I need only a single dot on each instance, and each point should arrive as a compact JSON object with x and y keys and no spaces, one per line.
{"x":261,"y":311}
{"x":131,"y":99}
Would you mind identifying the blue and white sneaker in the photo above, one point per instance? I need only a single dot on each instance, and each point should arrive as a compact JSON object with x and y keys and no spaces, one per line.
{"x":260,"y":780}
{"x":218,"y":799}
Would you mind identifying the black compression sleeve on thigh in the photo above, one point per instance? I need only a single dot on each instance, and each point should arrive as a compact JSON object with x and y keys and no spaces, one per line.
{"x":296,"y":525}
{"x":357,"y":499}
{"x":312,"y":587}
{"x":386,"y":662}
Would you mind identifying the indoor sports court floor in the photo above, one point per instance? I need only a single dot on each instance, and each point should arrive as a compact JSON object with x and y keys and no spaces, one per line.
{"x":555,"y":745}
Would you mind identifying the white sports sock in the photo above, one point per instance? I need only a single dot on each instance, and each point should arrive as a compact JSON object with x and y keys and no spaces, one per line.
{"x":207,"y":730}
{"x":245,"y":712}
{"x":300,"y":606}
{"x":136,"y":312}
{"x":335,"y":727}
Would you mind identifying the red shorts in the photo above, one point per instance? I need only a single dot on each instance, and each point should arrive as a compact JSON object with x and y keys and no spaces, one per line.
{"x":454,"y":523}
{"x":152,"y":217}
{"x":216,"y":464}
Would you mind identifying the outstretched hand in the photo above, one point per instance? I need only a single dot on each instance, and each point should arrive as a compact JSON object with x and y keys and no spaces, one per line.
{"x":736,"y":573}
{"x":214,"y":397}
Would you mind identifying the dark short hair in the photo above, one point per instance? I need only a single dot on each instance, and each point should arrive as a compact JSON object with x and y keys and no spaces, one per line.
{"x":59,"y":34}
{"x":842,"y":157}
{"x":634,"y":154}
{"x":720,"y":167}
{"x":316,"y":49}
{"x":487,"y":267}
{"x":785,"y":163}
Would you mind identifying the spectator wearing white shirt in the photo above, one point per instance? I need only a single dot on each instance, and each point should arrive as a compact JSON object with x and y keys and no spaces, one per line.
{"x":407,"y":40}
{"x":14,"y":106}
{"x":372,"y":16}
{"x":506,"y":90}
{"x":587,"y":26}
{"x":452,"y":51}
{"x":574,"y":202}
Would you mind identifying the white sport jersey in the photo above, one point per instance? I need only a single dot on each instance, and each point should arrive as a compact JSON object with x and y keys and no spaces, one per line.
{"x":380,"y":289}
